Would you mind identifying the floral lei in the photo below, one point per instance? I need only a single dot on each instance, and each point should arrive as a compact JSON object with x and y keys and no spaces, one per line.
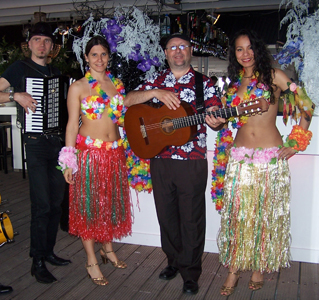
{"x":224,"y":136}
{"x":220,"y":160}
{"x":139,"y":177}
{"x":95,"y":107}
{"x":232,"y":99}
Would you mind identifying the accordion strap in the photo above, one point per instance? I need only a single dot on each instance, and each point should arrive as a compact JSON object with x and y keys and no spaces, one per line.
{"x":35,"y":69}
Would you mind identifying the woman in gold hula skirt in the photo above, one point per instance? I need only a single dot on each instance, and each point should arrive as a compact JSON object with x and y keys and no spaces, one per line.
{"x":255,"y":218}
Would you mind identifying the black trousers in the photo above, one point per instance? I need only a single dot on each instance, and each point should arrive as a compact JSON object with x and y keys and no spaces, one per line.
{"x":179,"y":193}
{"x":46,"y":191}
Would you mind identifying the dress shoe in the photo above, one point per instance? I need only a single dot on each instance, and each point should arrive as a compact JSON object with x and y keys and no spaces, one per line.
{"x":5,"y":289}
{"x":56,"y":261}
{"x":168,"y":273}
{"x":190,"y":287}
{"x":40,"y":271}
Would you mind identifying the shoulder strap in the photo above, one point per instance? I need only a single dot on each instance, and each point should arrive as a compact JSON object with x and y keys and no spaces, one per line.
{"x":200,"y":104}
{"x":35,"y":69}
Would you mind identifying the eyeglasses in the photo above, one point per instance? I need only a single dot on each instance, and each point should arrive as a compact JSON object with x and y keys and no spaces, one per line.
{"x":181,"y":47}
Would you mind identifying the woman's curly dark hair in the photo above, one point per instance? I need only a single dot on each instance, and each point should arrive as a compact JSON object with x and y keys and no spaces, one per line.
{"x":262,"y":60}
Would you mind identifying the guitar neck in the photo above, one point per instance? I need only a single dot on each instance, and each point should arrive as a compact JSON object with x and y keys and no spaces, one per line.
{"x":200,"y":118}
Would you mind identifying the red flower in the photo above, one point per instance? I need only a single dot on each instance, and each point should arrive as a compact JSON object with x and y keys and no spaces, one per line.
{"x":236,"y":101}
{"x":100,"y":100}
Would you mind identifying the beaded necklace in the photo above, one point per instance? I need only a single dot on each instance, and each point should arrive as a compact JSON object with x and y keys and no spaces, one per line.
{"x":94,"y":106}
{"x":232,"y":99}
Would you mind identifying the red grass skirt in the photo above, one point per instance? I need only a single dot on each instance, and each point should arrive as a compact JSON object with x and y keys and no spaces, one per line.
{"x":100,"y":201}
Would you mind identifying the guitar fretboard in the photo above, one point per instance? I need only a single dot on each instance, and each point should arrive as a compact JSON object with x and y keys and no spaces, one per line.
{"x":200,"y":118}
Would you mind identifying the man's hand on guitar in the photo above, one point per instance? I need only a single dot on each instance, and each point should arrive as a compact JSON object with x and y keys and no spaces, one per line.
{"x":26,"y":101}
{"x":212,"y":122}
{"x":170,"y":99}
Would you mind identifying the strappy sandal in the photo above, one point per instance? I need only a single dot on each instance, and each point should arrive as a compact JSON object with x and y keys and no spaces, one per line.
{"x":116,"y":264}
{"x":255,"y":285}
{"x":226,"y":290}
{"x":99,"y":280}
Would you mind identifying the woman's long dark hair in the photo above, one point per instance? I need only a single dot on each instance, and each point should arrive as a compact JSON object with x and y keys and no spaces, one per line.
{"x":262,"y":60}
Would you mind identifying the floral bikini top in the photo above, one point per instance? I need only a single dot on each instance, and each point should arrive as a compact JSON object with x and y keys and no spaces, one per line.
{"x":93,"y":106}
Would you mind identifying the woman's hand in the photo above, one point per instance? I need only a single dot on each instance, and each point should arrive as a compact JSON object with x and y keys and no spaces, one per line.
{"x":68,"y":176}
{"x":286,"y":152}
{"x":228,"y":147}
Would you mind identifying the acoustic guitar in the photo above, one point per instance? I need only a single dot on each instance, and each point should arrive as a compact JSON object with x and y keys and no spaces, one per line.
{"x":149,"y":130}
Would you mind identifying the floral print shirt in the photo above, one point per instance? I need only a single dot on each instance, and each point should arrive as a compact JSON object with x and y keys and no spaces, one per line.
{"x":185,"y":86}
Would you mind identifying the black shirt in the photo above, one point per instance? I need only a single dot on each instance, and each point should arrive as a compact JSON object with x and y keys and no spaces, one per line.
{"x":16,"y":73}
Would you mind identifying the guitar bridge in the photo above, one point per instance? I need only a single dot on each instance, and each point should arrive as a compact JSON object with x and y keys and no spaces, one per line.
{"x":143,"y":131}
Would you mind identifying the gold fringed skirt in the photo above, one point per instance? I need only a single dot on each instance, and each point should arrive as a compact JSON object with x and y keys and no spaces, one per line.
{"x":255,"y":219}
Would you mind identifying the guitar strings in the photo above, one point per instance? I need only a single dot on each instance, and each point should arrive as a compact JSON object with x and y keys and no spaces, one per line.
{"x":177,"y":121}
{"x":196,"y":117}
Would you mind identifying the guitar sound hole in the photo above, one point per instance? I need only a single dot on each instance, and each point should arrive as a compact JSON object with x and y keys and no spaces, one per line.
{"x":167,"y":126}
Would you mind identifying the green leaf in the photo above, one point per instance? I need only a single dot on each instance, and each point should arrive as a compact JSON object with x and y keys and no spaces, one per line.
{"x":273,"y":161}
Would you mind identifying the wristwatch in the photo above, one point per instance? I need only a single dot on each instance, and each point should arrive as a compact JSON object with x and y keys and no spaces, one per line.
{"x":11,"y":93}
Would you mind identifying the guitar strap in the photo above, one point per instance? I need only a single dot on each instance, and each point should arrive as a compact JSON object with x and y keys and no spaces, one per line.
{"x":199,"y":90}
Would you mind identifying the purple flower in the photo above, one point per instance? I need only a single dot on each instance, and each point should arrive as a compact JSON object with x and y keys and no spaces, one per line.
{"x":156,"y":61}
{"x":142,"y":67}
{"x":134,"y":55}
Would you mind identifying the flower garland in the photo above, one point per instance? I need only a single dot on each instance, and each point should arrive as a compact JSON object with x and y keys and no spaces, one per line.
{"x":231,"y":99}
{"x":139,"y":176}
{"x":255,"y":156}
{"x":224,"y":136}
{"x":131,"y":34}
{"x":138,"y":169}
{"x":115,"y":107}
{"x":299,"y":138}
{"x":296,"y":103}
{"x":68,"y":159}
{"x":220,"y":160}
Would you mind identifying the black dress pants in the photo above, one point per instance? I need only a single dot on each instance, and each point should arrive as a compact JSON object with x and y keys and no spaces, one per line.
{"x":179,"y":192}
{"x":46,"y":191}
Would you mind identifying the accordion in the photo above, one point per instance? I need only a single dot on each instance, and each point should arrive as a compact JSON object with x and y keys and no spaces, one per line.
{"x":51,"y":114}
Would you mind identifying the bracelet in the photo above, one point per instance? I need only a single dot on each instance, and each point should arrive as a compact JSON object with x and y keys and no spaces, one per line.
{"x":299,"y":138}
{"x":11,"y":94}
{"x":68,"y":159}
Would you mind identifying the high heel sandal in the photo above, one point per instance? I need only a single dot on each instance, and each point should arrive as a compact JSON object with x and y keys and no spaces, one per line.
{"x":99,"y":280}
{"x":255,"y":285}
{"x":116,"y":264}
{"x":229,"y":290}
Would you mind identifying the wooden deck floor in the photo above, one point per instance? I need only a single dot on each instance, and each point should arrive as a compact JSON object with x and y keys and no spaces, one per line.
{"x":139,"y":281}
